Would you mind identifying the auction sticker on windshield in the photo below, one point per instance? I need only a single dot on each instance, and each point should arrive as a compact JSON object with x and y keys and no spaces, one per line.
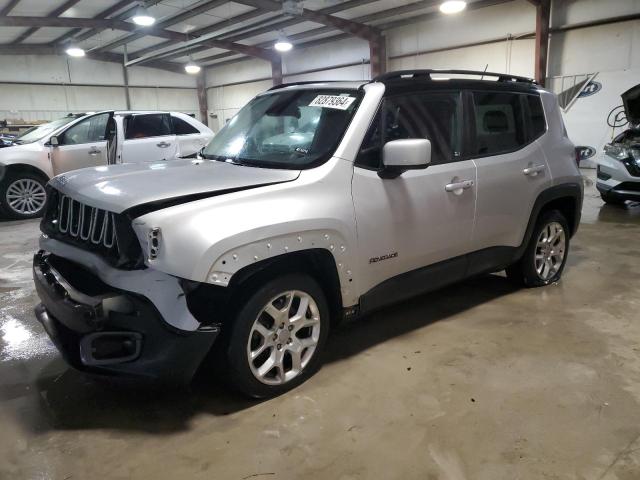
{"x":332,"y":101}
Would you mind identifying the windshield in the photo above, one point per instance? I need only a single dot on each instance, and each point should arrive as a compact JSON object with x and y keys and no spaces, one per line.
{"x":40,"y":131}
{"x":295,"y":129}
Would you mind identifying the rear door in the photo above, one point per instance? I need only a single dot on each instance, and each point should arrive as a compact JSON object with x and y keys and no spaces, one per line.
{"x":148,"y":137}
{"x":84,"y":144}
{"x":190,"y":139}
{"x":512,"y":169}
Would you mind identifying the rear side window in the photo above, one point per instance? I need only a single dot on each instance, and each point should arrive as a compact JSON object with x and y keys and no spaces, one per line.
{"x":434,"y":116}
{"x":537,"y":122}
{"x":180,"y":127}
{"x":499,"y":123}
{"x":148,"y":125}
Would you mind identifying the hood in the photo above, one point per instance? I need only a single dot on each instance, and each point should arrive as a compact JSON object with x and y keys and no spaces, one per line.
{"x":631,"y":101}
{"x":8,"y":150}
{"x":151,"y":186}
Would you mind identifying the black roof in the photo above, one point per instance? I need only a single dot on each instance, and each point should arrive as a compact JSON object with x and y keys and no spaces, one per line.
{"x":415,"y":80}
{"x":412,"y":80}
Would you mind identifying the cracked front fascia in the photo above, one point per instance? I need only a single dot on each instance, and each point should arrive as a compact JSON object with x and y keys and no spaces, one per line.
{"x":163,"y":290}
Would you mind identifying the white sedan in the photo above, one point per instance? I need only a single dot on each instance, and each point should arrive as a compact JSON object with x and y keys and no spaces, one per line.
{"x":89,"y":140}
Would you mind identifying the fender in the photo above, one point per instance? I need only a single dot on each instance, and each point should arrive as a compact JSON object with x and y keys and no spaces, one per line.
{"x":557,"y":192}
{"x":227,"y":265}
{"x":22,"y":167}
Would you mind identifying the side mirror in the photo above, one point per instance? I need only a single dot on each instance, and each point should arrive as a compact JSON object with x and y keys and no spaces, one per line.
{"x":399,"y":156}
{"x":53,"y":141}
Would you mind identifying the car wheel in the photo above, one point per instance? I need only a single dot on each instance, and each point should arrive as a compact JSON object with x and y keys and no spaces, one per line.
{"x":278,"y":336}
{"x":23,"y":195}
{"x":546,"y":253}
{"x":611,"y":200}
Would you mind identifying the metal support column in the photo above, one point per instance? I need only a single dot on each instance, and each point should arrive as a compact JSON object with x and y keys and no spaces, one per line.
{"x":201,"y":84}
{"x":543,"y":15}
{"x":276,"y":71}
{"x":125,"y":75}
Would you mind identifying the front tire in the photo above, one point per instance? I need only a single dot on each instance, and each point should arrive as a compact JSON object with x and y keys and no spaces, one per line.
{"x":23,"y":195}
{"x":278,"y":336}
{"x":607,"y":198}
{"x":546,"y":253}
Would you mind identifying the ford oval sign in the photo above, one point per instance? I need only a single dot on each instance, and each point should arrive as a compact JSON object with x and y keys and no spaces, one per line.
{"x":585,"y":152}
{"x":590,"y":88}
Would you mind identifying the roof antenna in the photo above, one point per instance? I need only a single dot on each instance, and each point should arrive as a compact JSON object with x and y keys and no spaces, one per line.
{"x":484,"y":71}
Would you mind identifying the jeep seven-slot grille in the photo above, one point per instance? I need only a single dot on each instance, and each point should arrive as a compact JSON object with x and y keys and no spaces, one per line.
{"x":86,"y":223}
{"x":106,"y":233}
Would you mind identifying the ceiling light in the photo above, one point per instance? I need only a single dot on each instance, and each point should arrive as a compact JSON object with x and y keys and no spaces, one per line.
{"x":453,"y":6}
{"x":142,"y":17}
{"x":192,"y":67}
{"x":74,"y":51}
{"x":283,"y":44}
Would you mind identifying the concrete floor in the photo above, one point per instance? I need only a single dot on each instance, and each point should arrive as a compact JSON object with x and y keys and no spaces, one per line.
{"x":479,"y":381}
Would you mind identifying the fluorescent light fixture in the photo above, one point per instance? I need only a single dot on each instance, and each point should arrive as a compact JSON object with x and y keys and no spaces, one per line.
{"x":283,"y":44}
{"x":453,"y":6}
{"x":142,"y":17}
{"x":74,"y":51}
{"x":192,"y":67}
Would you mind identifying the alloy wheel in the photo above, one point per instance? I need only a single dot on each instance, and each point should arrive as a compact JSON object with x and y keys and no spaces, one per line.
{"x":283,"y":337}
{"x":550,"y":250}
{"x":26,"y":196}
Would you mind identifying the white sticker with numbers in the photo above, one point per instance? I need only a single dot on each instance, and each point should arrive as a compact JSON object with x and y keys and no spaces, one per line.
{"x":339,"y":102}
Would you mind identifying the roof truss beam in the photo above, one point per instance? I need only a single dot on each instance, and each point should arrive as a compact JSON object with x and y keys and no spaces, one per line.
{"x":10,"y":6}
{"x":165,"y":23}
{"x":356,"y":29}
{"x":41,"y":49}
{"x":58,"y":11}
{"x":104,"y":14}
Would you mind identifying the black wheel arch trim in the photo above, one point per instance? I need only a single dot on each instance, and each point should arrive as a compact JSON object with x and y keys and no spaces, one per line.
{"x":23,"y":167}
{"x":556,"y":192}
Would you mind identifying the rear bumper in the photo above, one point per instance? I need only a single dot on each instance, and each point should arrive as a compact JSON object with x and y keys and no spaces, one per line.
{"x":105,"y":331}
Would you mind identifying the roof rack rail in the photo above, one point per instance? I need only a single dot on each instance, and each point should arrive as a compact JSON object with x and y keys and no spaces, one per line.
{"x":308,"y":82}
{"x":426,"y":75}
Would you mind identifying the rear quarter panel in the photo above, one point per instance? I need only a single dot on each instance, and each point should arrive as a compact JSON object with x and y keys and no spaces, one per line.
{"x":556,"y":145}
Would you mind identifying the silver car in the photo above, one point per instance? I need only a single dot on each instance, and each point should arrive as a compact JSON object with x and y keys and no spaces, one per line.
{"x":317,"y":202}
{"x":88,"y":140}
{"x":619,"y":166}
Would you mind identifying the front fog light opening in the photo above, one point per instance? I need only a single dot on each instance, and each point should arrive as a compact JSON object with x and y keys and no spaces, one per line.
{"x":154,"y":241}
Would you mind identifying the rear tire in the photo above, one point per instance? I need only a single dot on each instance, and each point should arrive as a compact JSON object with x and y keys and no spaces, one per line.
{"x":22,"y":195}
{"x":277,"y":336}
{"x":546,"y":253}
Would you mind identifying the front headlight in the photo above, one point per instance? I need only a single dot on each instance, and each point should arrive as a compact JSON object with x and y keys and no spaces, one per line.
{"x":616,"y":151}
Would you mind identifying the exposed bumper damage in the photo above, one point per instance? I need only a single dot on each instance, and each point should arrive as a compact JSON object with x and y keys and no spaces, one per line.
{"x":111,"y":324}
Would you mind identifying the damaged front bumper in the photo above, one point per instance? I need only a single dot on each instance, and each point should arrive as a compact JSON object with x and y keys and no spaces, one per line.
{"x":102,"y":328}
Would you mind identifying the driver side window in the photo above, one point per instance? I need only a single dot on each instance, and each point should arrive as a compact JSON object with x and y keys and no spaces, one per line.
{"x":434,"y":116}
{"x":90,"y":130}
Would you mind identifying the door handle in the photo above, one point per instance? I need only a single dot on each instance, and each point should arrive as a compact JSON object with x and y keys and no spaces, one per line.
{"x":457,"y":187}
{"x":533,"y":171}
{"x":163,"y":144}
{"x":94,"y":151}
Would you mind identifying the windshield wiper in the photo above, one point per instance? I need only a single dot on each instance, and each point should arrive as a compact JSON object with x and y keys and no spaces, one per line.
{"x":219,"y":158}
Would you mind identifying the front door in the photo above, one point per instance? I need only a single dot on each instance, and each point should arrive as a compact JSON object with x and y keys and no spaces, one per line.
{"x":84,"y":144}
{"x":423,"y":216}
{"x":148,"y":137}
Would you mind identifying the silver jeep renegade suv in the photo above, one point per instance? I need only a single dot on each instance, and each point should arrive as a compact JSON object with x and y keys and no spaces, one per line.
{"x":316,"y":202}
